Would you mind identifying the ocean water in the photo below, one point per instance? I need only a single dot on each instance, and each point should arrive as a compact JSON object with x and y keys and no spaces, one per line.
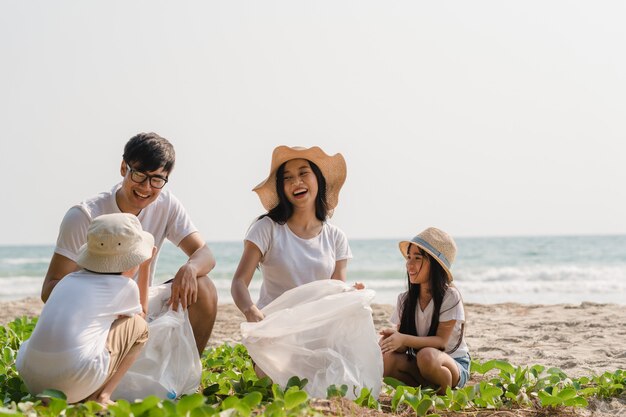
{"x":528,"y":270}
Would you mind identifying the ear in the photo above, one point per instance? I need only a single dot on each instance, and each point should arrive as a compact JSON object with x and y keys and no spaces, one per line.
{"x":123,"y":168}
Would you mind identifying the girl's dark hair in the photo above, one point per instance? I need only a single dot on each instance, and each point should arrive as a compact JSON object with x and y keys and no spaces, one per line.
{"x":438,"y":287}
{"x":148,"y":152}
{"x":284,"y":209}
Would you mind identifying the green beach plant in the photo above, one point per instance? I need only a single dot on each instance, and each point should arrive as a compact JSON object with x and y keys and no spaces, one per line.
{"x":230,"y":387}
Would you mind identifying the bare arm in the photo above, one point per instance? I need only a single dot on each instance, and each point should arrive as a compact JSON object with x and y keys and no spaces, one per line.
{"x":341,"y":270}
{"x":143,"y":282}
{"x":241,"y":280}
{"x":59,"y":267}
{"x":200,"y":263}
{"x":394,"y":340}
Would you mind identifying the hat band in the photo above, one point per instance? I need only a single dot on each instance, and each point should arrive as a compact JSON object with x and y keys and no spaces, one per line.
{"x":430,"y":247}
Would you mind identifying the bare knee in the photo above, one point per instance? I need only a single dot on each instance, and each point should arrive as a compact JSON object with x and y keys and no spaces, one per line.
{"x":207,"y":292}
{"x":427,"y":359}
{"x":389,"y":363}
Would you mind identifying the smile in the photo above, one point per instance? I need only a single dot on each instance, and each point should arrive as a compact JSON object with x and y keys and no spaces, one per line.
{"x":299,"y":192}
{"x":141,"y":195}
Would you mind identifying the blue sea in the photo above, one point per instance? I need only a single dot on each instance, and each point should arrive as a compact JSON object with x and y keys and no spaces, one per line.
{"x":528,"y":270}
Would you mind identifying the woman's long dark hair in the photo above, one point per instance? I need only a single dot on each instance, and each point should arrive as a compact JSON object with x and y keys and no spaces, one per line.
{"x":284,"y":209}
{"x":438,"y":287}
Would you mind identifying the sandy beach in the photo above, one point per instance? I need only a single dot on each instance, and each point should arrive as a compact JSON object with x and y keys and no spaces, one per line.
{"x":580,"y":339}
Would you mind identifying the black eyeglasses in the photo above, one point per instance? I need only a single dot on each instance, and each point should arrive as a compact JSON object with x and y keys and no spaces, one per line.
{"x":139,"y":177}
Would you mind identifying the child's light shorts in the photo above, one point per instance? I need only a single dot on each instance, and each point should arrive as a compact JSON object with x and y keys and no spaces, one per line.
{"x":125,"y":333}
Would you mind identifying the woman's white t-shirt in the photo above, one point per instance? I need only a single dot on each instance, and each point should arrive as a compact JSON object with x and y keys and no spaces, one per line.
{"x":289,"y":261}
{"x":451,"y":309}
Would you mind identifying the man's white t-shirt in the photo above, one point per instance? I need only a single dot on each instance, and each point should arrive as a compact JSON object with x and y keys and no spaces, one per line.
{"x":290,"y":261}
{"x":451,"y":309}
{"x":165,"y":218}
{"x":67,"y":350}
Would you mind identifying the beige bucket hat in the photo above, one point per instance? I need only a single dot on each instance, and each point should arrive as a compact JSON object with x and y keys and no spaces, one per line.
{"x":436,"y":243}
{"x":115,"y":243}
{"x":333,"y":168}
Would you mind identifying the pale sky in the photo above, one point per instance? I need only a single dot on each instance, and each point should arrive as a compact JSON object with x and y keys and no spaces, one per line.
{"x":482,"y":118}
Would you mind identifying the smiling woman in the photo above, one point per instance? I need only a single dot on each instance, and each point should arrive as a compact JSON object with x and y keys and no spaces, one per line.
{"x":293,"y":243}
{"x":301,"y":256}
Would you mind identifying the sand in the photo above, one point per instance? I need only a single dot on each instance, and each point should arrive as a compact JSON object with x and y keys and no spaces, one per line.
{"x":580,"y":339}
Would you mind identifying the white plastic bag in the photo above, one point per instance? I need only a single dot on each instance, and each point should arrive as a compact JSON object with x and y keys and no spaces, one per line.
{"x":169,"y":364}
{"x":322,"y":331}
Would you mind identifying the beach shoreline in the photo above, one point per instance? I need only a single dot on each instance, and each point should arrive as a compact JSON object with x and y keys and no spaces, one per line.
{"x":583,"y":339}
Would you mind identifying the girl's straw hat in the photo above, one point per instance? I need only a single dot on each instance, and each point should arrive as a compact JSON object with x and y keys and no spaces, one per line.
{"x":436,"y":243}
{"x":333,"y":168}
{"x":115,"y":243}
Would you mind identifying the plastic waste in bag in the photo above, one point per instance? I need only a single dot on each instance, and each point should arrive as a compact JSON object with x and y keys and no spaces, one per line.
{"x":169,"y":364}
{"x":322,"y":331}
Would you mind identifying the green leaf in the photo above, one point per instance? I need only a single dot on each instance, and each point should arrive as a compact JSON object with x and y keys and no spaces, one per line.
{"x":147,"y":403}
{"x":121,"y":408}
{"x":423,"y":407}
{"x":393,"y":382}
{"x":211,"y":390}
{"x":295,"y":398}
{"x":576,"y":402}
{"x":504,"y":366}
{"x":278,"y":392}
{"x":253,"y":399}
{"x":333,"y":391}
{"x":204,"y":411}
{"x":188,"y":403}
{"x":294,"y":381}
{"x":230,"y":402}
{"x":567,"y":393}
{"x":56,"y":406}
{"x":8,"y":355}
{"x":52,"y":393}
{"x":548,"y":400}
{"x":411,"y":400}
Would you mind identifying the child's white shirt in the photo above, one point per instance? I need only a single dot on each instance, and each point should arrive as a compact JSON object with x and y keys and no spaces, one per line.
{"x":67,"y":350}
{"x":451,"y":309}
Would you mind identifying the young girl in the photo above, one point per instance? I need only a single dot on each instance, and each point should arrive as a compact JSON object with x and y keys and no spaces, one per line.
{"x":293,"y":243}
{"x":428,"y":347}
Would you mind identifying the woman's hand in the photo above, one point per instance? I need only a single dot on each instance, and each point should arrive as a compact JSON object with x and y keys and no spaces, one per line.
{"x":391,"y":340}
{"x":253,"y":314}
{"x":359,"y":286}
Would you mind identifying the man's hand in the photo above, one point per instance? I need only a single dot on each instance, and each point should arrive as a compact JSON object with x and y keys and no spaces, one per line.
{"x":184,"y":288}
{"x":391,"y":340}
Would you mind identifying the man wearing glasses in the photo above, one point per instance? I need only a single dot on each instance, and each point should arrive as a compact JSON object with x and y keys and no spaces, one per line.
{"x":147,"y":162}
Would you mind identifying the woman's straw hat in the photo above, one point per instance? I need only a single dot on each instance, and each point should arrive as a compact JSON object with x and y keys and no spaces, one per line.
{"x":115,"y":243}
{"x":436,"y":243}
{"x":333,"y":168}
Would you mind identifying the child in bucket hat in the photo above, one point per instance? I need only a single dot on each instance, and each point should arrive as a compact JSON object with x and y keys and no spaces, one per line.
{"x":91,"y":329}
{"x":428,"y":347}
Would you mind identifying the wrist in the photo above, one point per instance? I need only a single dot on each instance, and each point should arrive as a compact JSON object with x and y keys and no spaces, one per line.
{"x":248,"y":309}
{"x":191,"y":267}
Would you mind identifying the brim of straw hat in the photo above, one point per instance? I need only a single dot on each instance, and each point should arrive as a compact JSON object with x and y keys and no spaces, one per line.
{"x":436,"y":255}
{"x":333,"y":168}
{"x":117,"y":263}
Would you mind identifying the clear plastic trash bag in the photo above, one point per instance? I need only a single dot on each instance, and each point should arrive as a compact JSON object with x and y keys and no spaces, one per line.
{"x":169,"y":364}
{"x":322,"y":331}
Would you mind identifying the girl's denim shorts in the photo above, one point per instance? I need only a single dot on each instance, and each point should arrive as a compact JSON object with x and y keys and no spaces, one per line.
{"x":463,"y":363}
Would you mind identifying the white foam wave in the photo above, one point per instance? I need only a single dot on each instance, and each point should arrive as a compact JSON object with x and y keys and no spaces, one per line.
{"x":14,"y":288}
{"x":542,"y":273}
{"x":24,"y":261}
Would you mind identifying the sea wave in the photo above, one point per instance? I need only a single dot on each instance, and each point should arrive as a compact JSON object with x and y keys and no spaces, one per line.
{"x":24,"y":261}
